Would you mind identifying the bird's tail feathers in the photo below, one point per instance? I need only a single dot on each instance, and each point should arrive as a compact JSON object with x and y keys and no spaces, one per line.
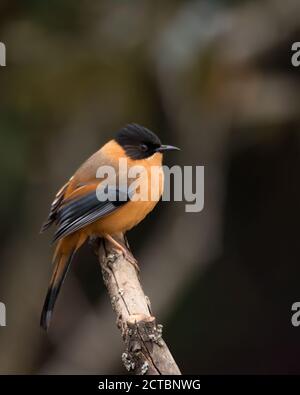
{"x":62,"y":261}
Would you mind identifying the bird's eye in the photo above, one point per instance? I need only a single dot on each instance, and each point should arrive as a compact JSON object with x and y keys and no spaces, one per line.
{"x":143,"y":147}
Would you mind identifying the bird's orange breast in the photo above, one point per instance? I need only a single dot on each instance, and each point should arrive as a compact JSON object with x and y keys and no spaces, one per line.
{"x":151,"y":182}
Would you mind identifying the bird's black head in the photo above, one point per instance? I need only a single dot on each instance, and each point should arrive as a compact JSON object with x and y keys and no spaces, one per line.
{"x":139,"y":142}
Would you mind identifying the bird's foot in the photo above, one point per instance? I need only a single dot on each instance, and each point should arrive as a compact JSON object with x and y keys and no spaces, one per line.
{"x":130,"y":258}
{"x":125,"y":251}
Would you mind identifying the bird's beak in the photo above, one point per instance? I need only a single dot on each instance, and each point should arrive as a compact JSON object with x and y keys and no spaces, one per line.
{"x":164,"y":148}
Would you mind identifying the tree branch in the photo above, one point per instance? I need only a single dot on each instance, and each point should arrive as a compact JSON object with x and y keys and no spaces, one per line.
{"x":146,"y":352}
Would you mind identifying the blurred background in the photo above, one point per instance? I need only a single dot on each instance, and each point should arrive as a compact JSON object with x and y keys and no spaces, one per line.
{"x":212,"y":77}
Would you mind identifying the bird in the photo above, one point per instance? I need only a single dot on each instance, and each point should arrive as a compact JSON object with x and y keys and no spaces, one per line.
{"x":80,"y":215}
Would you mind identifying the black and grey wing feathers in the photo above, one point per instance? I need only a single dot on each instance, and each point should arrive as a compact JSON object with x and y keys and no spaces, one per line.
{"x":54,"y":208}
{"x":82,"y":211}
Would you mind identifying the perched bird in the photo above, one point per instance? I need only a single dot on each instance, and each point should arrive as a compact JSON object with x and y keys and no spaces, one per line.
{"x":79,"y":213}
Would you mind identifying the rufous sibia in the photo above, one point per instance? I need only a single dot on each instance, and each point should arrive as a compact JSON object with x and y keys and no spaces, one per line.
{"x":79,"y":213}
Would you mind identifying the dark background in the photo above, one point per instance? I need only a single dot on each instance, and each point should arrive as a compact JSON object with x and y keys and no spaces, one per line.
{"x":213,"y":77}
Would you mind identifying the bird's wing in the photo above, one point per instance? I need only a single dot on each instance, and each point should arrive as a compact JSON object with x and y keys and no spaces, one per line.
{"x":54,"y":207}
{"x":86,"y":174}
{"x":85,"y":206}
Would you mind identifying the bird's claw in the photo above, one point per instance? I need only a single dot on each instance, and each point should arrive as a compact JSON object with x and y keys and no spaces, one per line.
{"x":130,"y":258}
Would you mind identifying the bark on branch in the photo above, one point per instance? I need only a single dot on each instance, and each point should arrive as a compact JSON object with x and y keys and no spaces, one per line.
{"x":146,"y":352}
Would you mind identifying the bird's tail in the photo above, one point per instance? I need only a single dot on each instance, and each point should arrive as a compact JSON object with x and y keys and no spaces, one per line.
{"x":62,"y":259}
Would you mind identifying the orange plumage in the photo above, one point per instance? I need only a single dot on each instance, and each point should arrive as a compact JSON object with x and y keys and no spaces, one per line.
{"x":79,"y":214}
